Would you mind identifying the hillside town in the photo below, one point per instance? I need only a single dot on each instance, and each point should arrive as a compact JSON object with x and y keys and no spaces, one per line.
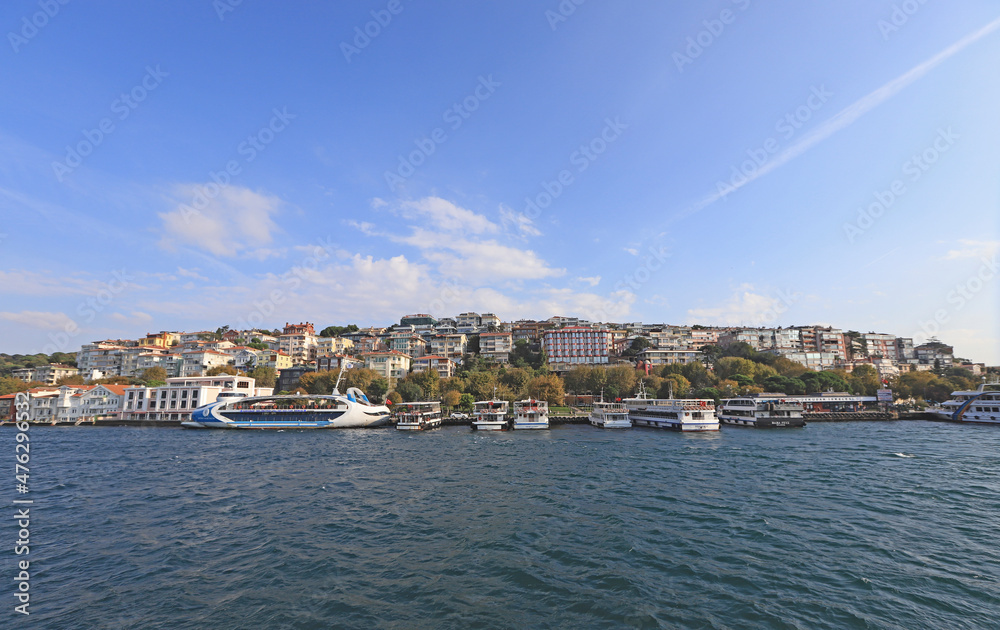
{"x":167,"y":374}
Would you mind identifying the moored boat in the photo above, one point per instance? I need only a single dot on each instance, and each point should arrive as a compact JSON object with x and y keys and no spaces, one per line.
{"x":762,"y":411}
{"x":678,"y":414}
{"x":489,"y":415}
{"x":981,"y":406}
{"x":290,"y":411}
{"x":530,"y":414}
{"x":418,"y":416}
{"x":610,"y":415}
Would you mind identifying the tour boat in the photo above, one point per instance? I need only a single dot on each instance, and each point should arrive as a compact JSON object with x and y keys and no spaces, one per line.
{"x":489,"y":415}
{"x":418,"y":416}
{"x":762,"y":411}
{"x":610,"y":415}
{"x":980,"y":406}
{"x":290,"y":411}
{"x":679,"y":414}
{"x":530,"y":414}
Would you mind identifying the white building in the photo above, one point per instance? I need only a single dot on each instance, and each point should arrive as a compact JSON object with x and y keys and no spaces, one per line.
{"x":176,"y":399}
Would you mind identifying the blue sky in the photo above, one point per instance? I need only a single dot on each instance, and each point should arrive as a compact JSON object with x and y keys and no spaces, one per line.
{"x":179,"y":166}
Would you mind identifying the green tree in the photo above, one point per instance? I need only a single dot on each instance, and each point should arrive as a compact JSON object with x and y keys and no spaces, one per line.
{"x":466,"y":402}
{"x":709,"y":392}
{"x":451,"y":399}
{"x":864,"y":380}
{"x":480,"y":384}
{"x":620,"y":381}
{"x":394,"y":398}
{"x":378,"y":389}
{"x":515,"y":378}
{"x":522,"y":356}
{"x":264,"y":376}
{"x":153,"y":377}
{"x":222,"y":369}
{"x":75,"y":379}
{"x":548,"y":388}
{"x":336,"y":331}
{"x":577,"y":379}
{"x":410,"y":391}
{"x":679,"y":385}
{"x":784,"y":385}
{"x":429,"y":382}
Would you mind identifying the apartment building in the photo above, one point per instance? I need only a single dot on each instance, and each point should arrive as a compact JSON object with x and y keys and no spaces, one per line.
{"x":390,"y":365}
{"x":496,"y":346}
{"x":444,"y":366}
{"x":176,"y":399}
{"x":577,"y":345}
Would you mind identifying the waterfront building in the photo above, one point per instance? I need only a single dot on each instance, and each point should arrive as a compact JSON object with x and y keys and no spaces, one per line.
{"x":101,"y":357}
{"x":176,"y":399}
{"x":288,"y":379}
{"x":444,"y":366}
{"x":496,"y":346}
{"x":571,"y":346}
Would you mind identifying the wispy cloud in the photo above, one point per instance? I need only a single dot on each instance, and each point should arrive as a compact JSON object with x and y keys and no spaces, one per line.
{"x":235,"y":220}
{"x":973,"y":249}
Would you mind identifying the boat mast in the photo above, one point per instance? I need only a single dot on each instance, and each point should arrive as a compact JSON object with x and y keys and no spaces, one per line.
{"x":336,"y":386}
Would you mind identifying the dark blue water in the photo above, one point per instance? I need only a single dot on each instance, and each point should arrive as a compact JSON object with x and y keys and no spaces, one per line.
{"x":850,"y":525}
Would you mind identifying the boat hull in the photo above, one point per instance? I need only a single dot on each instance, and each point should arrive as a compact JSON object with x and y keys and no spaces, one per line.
{"x":489,"y":426}
{"x":355,"y":415}
{"x":764,"y":423}
{"x":659,"y":423}
{"x":517,"y":426}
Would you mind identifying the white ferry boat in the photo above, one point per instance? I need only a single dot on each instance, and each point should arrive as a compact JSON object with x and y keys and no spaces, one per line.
{"x":418,"y":416}
{"x":679,"y":414}
{"x":489,"y":415}
{"x":610,"y":415}
{"x":762,"y":411}
{"x":981,"y":406}
{"x":290,"y":411}
{"x":530,"y":414}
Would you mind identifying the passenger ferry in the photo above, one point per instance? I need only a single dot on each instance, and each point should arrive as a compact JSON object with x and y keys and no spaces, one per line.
{"x":679,"y":414}
{"x":489,"y":415}
{"x":762,"y":411}
{"x":610,"y":415}
{"x":530,"y":414}
{"x":418,"y":416}
{"x":290,"y":411}
{"x":981,"y":406}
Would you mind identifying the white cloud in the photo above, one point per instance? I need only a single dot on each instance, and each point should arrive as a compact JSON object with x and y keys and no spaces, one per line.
{"x":519,"y":221}
{"x":24,"y":282}
{"x":136,"y":317}
{"x":235,"y":220}
{"x":190,"y":273}
{"x":632,"y":250}
{"x":40,"y":319}
{"x":744,"y":308}
{"x":446,"y":216}
{"x":377,"y":203}
{"x":973,"y":249}
{"x":591,"y":280}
